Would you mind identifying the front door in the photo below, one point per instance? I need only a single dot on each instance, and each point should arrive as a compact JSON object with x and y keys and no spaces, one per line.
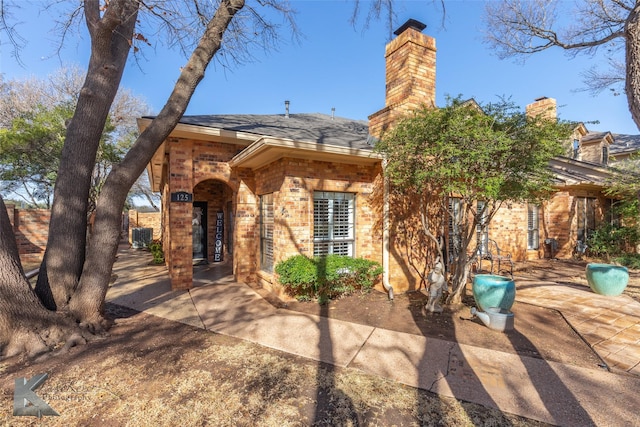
{"x":199,"y":224}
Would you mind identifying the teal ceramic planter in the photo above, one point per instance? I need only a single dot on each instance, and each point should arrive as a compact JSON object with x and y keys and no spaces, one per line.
{"x":490,"y":290}
{"x":607,"y":279}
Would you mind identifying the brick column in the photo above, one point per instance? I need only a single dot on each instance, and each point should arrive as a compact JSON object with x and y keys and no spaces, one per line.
{"x":180,"y":215}
{"x":246,"y":234}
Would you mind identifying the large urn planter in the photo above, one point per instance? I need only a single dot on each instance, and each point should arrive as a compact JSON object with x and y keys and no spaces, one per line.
{"x":491,"y":290}
{"x":607,"y":279}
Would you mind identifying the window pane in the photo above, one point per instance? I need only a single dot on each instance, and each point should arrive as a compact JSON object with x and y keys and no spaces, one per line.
{"x":455,"y":213}
{"x":533,"y":227}
{"x":333,"y":223}
{"x":482,"y":230}
{"x":266,"y":232}
{"x":321,"y":219}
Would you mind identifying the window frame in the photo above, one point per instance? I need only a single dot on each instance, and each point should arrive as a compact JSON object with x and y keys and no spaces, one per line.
{"x":453,"y":242}
{"x":533,"y":226}
{"x":576,"y":149}
{"x":586,"y":220}
{"x":482,"y":227}
{"x":332,"y":234}
{"x":267,"y":222}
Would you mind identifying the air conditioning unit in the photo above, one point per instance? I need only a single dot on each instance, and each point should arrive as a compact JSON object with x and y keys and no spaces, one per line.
{"x":141,"y":237}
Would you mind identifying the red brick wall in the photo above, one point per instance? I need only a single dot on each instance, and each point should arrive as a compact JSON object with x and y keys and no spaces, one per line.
{"x":145,"y":220}
{"x":31,"y":229}
{"x":410,"y":78}
{"x":293,"y":182}
{"x":201,"y":168}
{"x":557,"y":221}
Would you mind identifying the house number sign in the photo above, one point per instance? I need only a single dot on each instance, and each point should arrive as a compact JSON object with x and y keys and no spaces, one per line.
{"x":182,"y":196}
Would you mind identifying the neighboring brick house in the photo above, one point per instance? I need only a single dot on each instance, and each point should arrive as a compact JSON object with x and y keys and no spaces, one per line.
{"x":251,"y":190}
{"x":31,"y":228}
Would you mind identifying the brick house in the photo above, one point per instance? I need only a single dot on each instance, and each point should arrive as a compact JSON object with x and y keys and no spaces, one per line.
{"x":248,"y":191}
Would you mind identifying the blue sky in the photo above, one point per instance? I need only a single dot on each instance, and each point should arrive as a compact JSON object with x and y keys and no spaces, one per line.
{"x":337,"y":65}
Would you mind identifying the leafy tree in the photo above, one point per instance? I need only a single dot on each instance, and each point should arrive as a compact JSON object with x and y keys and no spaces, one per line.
{"x":30,"y":152}
{"x":620,"y":234}
{"x":521,"y":28}
{"x":490,"y":154}
{"x":29,"y":158}
{"x":74,"y":276}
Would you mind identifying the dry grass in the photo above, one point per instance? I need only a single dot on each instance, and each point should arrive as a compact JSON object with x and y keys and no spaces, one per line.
{"x":152,"y":372}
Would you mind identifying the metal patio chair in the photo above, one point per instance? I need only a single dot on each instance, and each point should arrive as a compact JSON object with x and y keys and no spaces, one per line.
{"x":491,"y":252}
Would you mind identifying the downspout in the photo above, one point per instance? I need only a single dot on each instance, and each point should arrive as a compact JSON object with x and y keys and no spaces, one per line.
{"x":385,"y":233}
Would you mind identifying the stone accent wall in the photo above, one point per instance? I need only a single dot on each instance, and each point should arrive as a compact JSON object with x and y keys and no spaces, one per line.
{"x":31,"y":229}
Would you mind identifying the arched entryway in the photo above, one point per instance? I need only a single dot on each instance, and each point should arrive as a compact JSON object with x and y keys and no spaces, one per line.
{"x":212,"y":224}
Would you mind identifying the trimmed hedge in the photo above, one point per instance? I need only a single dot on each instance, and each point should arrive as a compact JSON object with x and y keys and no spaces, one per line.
{"x":326,"y":277}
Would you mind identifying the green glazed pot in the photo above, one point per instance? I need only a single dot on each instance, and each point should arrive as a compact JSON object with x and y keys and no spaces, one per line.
{"x":607,"y":279}
{"x":491,"y":290}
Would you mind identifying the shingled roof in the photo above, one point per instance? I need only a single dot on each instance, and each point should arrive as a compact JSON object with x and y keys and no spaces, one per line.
{"x":625,"y":143}
{"x":315,"y":128}
{"x":572,"y":172}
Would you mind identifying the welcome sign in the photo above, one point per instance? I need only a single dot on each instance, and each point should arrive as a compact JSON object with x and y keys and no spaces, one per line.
{"x":219,"y":237}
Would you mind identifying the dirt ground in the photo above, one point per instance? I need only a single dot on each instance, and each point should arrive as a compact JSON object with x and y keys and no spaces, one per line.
{"x":153,"y":372}
{"x":539,"y":332}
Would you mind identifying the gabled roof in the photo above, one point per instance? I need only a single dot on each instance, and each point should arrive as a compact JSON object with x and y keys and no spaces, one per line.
{"x":267,"y":138}
{"x":317,"y":128}
{"x":596,"y":137}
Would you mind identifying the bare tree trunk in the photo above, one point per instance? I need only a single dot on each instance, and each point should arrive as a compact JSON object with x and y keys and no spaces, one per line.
{"x":25,"y":325}
{"x":459,"y":279}
{"x":86,"y":303}
{"x":64,"y":257}
{"x":632,"y":82}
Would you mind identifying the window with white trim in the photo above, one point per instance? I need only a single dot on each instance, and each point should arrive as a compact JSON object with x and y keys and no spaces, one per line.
{"x":533,"y":226}
{"x":266,"y":232}
{"x":333,"y":223}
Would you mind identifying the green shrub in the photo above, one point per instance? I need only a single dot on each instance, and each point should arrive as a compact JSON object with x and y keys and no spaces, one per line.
{"x":610,"y":241}
{"x":326,"y":277}
{"x":629,"y":260}
{"x":156,"y":250}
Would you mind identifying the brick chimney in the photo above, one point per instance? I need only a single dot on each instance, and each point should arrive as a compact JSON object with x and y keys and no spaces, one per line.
{"x":545,"y":107}
{"x":410,"y":76}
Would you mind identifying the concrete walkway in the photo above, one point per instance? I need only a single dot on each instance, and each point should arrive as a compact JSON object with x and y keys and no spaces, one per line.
{"x":610,"y":325}
{"x":551,"y":392}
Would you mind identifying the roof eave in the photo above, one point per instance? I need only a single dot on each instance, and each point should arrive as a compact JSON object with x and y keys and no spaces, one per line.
{"x":269,"y":149}
{"x":188,"y":131}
